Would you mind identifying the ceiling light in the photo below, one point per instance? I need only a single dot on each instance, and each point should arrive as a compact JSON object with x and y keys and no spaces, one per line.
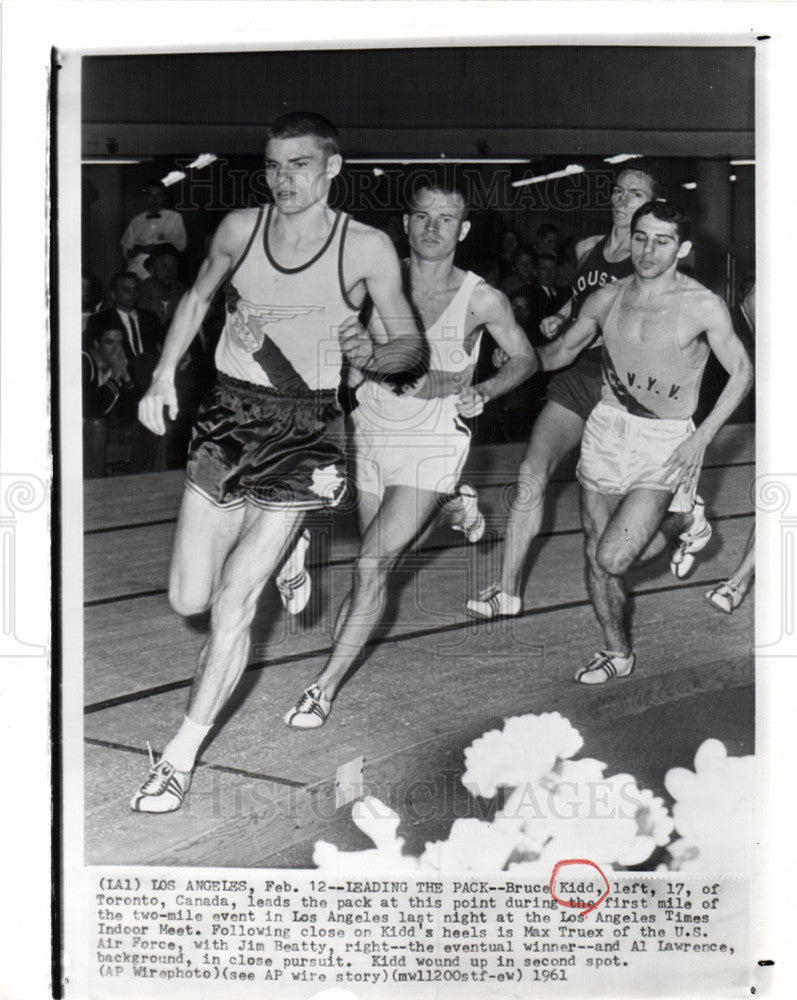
{"x":430,"y":160}
{"x":622,"y":157}
{"x":742,"y":163}
{"x":571,"y":168}
{"x":689,"y":186}
{"x":95,"y":161}
{"x":203,"y":160}
{"x":173,"y":177}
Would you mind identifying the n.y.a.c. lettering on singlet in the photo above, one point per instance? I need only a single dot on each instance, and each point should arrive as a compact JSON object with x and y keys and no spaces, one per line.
{"x":631,"y":382}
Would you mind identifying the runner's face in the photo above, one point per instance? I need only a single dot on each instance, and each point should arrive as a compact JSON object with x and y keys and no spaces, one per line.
{"x":434,"y":224}
{"x":299,"y":173}
{"x":632,"y":190}
{"x":655,"y":248}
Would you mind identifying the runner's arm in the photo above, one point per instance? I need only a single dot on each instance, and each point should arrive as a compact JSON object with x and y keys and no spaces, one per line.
{"x":686,"y":461}
{"x":730,"y":352}
{"x":491,"y":308}
{"x":187,"y":319}
{"x":551,"y":325}
{"x":566,"y":348}
{"x":402,"y":350}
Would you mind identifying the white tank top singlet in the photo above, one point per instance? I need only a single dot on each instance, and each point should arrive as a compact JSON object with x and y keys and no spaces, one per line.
{"x":282,"y":323}
{"x":447,"y":353}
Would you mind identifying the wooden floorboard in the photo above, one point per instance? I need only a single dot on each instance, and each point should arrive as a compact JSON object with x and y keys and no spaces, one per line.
{"x":135,"y":645}
{"x":136,"y":560}
{"x":394,"y":698}
{"x":432,"y":684}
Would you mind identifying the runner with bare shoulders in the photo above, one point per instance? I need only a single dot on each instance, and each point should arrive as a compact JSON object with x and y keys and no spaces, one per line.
{"x":640,"y":453}
{"x":411,"y":442}
{"x":268,"y":440}
{"x":571,"y":396}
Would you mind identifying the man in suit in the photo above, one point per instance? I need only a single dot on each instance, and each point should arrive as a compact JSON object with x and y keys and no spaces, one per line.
{"x":543,"y":294}
{"x":143,"y":332}
{"x":111,"y":431}
{"x":141,"y":341}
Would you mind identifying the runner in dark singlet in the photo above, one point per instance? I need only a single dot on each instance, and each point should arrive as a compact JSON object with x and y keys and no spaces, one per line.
{"x":577,"y":388}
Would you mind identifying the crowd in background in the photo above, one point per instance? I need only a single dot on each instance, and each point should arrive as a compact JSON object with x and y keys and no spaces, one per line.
{"x":125,"y":324}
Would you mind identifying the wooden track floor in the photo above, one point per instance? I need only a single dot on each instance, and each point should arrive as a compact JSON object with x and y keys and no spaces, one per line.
{"x":432,"y":682}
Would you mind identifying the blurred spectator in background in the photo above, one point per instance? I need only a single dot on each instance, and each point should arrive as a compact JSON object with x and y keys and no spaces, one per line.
{"x":568,"y":262}
{"x":547,"y":240}
{"x":163,"y":289}
{"x":489,"y":270}
{"x":90,"y":299}
{"x":113,"y":438}
{"x":147,"y":230}
{"x":522,"y":269}
{"x":515,"y":411}
{"x":143,"y":333}
{"x":544,"y":294}
{"x":510,"y":241}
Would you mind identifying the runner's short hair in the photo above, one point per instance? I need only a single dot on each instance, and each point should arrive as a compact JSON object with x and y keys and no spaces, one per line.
{"x":654,"y":170}
{"x":665,"y":211}
{"x":443,"y":179}
{"x":297,"y":124}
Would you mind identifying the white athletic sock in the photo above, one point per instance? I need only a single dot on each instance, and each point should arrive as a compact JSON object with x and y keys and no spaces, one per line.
{"x":181,"y":751}
{"x":616,"y":655}
{"x":698,"y":515}
{"x":294,"y":564}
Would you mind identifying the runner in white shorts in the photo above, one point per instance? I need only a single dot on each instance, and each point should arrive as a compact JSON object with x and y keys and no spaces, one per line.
{"x":410,"y":439}
{"x":640,"y":447}
{"x":419,"y":440}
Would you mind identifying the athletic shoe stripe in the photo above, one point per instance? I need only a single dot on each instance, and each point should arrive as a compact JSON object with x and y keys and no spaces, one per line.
{"x":175,"y":788}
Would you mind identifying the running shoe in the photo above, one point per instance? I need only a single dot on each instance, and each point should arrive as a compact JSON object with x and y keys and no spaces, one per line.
{"x":310,"y":711}
{"x":494,"y":603}
{"x":164,"y":789}
{"x":690,"y":542}
{"x":604,"y":666}
{"x":725,"y":597}
{"x":472,"y":524}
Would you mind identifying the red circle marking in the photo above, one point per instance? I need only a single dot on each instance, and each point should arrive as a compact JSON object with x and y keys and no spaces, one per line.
{"x":578,"y":905}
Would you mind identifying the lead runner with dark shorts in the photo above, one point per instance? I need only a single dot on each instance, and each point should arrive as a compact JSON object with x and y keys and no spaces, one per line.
{"x":268,"y":443}
{"x":255,"y":444}
{"x":572,"y":393}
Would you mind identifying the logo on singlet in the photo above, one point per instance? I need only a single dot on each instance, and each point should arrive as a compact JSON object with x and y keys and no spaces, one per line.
{"x":249,"y":322}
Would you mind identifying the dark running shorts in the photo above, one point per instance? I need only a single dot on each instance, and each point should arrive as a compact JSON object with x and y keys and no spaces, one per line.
{"x":578,"y":387}
{"x":250,"y":443}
